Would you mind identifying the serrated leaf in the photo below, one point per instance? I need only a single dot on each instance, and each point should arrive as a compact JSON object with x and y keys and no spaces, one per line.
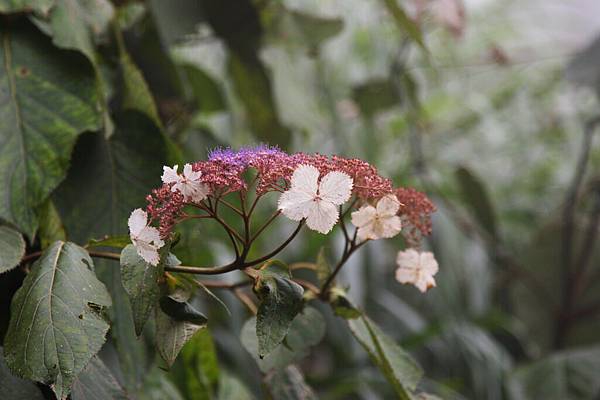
{"x":281,"y":301}
{"x":47,"y":98}
{"x":307,"y":330}
{"x":476,"y":197}
{"x":14,"y":388}
{"x":76,"y":24}
{"x":51,"y":226}
{"x":397,"y":365}
{"x":176,"y":323}
{"x":118,"y":241}
{"x":96,"y":382}
{"x":12,"y":248}
{"x":56,"y":325}
{"x":571,"y":374}
{"x":140,"y":281}
{"x":289,"y":384}
{"x":13,"y":6}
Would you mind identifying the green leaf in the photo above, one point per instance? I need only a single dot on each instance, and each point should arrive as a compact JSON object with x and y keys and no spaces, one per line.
{"x":140,"y":281}
{"x":51,"y":226}
{"x":13,"y":6}
{"x":96,"y":382}
{"x":207,"y":92}
{"x":476,"y":197}
{"x":118,"y":241}
{"x":289,"y":384}
{"x":375,"y":95}
{"x":231,"y":387}
{"x":397,"y":365}
{"x":158,"y":386}
{"x":77,"y":24}
{"x":47,"y":98}
{"x":197,"y":372}
{"x":323,"y":268}
{"x":306,"y":330}
{"x":342,"y":306}
{"x":176,"y":323}
{"x":281,"y":301}
{"x":571,"y":374}
{"x":12,"y":248}
{"x":253,"y":87}
{"x":14,"y":388}
{"x":405,"y":23}
{"x":56,"y":323}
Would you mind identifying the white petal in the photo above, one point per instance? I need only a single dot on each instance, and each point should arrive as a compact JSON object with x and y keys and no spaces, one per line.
{"x":389,"y":227}
{"x":408,"y":259}
{"x":335,"y":187}
{"x":200,"y":193}
{"x":322,"y":216}
{"x":388,"y":205}
{"x":406,"y":275}
{"x":305,"y":179}
{"x":363,"y":216}
{"x":295,"y":204}
{"x":148,"y":253}
{"x":151,"y":235}
{"x":170,"y":175}
{"x":137,"y":221}
{"x":190,"y":174}
{"x":366,"y":232}
{"x":429,"y":263}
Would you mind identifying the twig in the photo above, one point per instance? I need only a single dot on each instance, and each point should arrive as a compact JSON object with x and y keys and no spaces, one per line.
{"x":278,"y":249}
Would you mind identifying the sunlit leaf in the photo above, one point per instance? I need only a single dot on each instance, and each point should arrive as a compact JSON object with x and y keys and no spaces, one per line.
{"x":47,"y":98}
{"x":56,"y":323}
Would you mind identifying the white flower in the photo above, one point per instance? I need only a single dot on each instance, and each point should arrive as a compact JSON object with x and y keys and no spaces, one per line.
{"x":188,"y":183}
{"x":145,"y":238}
{"x":380,"y":222}
{"x":316,"y":201}
{"x":417,"y":268}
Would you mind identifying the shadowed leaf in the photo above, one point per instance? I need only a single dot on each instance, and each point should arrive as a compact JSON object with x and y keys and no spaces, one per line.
{"x":12,"y":248}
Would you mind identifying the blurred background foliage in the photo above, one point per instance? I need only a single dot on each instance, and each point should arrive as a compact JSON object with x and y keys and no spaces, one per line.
{"x":488,"y":106}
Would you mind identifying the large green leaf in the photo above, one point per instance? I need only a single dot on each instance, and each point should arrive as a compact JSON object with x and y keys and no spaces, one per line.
{"x":12,"y":248}
{"x":96,"y":382}
{"x":51,"y":226}
{"x":306,"y":330}
{"x":140,"y":281}
{"x":76,"y":24}
{"x":176,"y":323}
{"x":109,"y":178}
{"x":288,"y":384}
{"x":56,"y":323}
{"x":12,"y":6}
{"x":375,"y":95}
{"x":14,"y":388}
{"x":281,"y":301}
{"x":397,"y":365}
{"x":47,"y":98}
{"x":569,"y":375}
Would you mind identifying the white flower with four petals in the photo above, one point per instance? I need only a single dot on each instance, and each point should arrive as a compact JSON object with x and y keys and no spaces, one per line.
{"x":417,"y":268}
{"x":380,"y":221}
{"x":145,"y":238}
{"x":188,"y":183}
{"x":315,"y":200}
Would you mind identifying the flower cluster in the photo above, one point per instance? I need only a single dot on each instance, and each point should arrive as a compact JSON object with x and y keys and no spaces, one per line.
{"x":313,"y":190}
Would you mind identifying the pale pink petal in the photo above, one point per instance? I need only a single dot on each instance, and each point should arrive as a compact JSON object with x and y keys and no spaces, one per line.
{"x":406,"y":275}
{"x":408,"y":258}
{"x":170,"y":175}
{"x":429,"y":263}
{"x":388,"y":206}
{"x":336,"y":187}
{"x":200,"y":193}
{"x":366,"y":232}
{"x":389,"y":227}
{"x":151,"y":235}
{"x":137,"y":221}
{"x":295,"y":204}
{"x":305,"y":178}
{"x":322,"y":216}
{"x":363,"y":216}
{"x":148,"y":253}
{"x":190,"y":174}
